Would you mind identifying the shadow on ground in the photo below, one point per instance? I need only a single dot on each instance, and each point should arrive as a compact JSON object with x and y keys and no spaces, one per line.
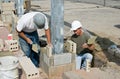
{"x":104,"y":44}
{"x":117,"y":26}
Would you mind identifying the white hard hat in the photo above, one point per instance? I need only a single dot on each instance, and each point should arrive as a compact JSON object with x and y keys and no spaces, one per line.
{"x":39,"y":20}
{"x":75,"y":25}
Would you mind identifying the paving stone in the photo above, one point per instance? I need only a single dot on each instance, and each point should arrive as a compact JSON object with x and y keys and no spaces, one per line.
{"x":70,"y":75}
{"x":95,"y":73}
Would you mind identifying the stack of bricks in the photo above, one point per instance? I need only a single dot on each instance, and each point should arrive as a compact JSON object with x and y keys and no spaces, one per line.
{"x":55,"y":65}
{"x":7,"y":11}
{"x":11,"y":45}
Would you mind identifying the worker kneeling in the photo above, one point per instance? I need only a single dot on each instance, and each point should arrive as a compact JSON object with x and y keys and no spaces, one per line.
{"x":85,"y":45}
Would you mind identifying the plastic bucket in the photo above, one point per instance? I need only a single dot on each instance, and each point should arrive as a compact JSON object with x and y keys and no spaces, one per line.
{"x":10,"y":36}
{"x":9,"y":67}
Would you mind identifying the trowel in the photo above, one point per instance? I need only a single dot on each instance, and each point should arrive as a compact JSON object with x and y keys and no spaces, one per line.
{"x":35,"y":48}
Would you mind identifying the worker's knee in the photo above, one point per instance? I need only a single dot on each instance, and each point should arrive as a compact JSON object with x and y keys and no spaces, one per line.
{"x":89,"y":56}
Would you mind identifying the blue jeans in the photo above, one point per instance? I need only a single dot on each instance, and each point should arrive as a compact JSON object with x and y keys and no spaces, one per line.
{"x":84,"y":57}
{"x":27,"y":48}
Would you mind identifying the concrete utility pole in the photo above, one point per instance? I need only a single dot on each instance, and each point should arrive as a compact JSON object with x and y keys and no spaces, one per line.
{"x":20,"y":7}
{"x":57,"y":23}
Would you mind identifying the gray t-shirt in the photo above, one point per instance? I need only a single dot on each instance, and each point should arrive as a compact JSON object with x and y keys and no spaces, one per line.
{"x":80,"y":40}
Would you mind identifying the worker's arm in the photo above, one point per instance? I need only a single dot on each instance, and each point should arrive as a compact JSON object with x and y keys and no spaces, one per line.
{"x":22,"y":35}
{"x":47,"y":32}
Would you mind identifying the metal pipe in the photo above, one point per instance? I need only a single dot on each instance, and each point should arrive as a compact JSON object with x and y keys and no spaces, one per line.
{"x":104,"y":2}
{"x":0,"y":5}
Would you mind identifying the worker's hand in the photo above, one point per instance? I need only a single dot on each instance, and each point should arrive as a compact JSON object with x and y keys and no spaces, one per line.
{"x":50,"y":45}
{"x":29,"y":41}
{"x":35,"y":48}
{"x":85,"y":45}
{"x":92,"y":47}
